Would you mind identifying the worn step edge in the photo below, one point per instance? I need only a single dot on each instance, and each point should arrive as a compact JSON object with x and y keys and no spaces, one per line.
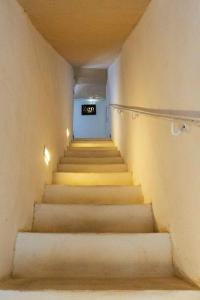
{"x":109,"y":284}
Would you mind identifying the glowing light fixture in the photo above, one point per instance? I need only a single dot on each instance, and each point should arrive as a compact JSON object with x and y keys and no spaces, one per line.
{"x":91,"y":100}
{"x":67,"y":133}
{"x":47,"y":156}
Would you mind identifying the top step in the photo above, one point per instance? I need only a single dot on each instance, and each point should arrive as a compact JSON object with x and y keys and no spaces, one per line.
{"x":88,"y":144}
{"x":92,"y":153}
{"x":91,"y":140}
{"x":94,"y":148}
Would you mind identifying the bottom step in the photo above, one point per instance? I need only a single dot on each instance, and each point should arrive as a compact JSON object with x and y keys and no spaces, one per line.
{"x":95,"y":289}
{"x":90,"y":255}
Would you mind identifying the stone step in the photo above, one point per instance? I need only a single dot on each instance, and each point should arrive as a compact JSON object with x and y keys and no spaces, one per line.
{"x":73,"y":178}
{"x":63,"y":194}
{"x":98,"y":289}
{"x":89,"y":144}
{"x":78,"y":140}
{"x":90,"y":153}
{"x":92,"y":168}
{"x":93,"y":218}
{"x":92,"y":160}
{"x":91,"y":140}
{"x":89,"y":255}
{"x":94,"y":148}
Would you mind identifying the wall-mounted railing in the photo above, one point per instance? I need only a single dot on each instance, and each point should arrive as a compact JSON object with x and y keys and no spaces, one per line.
{"x":180,"y":119}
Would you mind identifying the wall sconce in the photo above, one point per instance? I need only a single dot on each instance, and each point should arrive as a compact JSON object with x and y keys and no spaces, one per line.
{"x":68,"y":137}
{"x":47,"y":156}
{"x":67,"y":133}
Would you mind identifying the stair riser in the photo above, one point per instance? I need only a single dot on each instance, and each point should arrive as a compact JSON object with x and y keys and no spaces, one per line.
{"x":92,"y":145}
{"x":92,"y":194}
{"x":92,"y":168}
{"x":96,"y":148}
{"x":99,"y":139}
{"x":93,"y":218}
{"x":88,"y":160}
{"x":92,"y":255}
{"x":92,"y":153}
{"x":97,"y":179}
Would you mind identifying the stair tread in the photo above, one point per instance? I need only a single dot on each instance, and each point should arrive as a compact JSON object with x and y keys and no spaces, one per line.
{"x":101,"y":173}
{"x":97,"y":164}
{"x":93,"y":218}
{"x":93,"y":186}
{"x":92,"y":140}
{"x":92,"y":153}
{"x":93,"y":194}
{"x":96,"y":168}
{"x":88,"y":160}
{"x":107,"y":255}
{"x":94,"y":148}
{"x":93,"y":178}
{"x":29,"y":284}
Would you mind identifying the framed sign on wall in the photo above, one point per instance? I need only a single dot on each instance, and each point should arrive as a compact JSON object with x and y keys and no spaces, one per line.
{"x":88,"y":110}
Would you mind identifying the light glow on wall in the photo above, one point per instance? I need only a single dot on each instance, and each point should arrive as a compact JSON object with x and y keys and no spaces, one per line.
{"x":67,"y":133}
{"x":47,"y":156}
{"x":92,"y":100}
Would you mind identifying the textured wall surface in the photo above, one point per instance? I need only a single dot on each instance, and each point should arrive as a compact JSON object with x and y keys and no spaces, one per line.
{"x":35,"y":110}
{"x":159,"y":67}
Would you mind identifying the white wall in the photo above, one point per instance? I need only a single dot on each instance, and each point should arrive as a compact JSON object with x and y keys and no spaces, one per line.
{"x":35,"y":110}
{"x":95,"y":126}
{"x":159,"y":67}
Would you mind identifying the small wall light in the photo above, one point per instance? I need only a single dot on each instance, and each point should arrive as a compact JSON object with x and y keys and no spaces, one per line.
{"x":67,"y":133}
{"x":47,"y":156}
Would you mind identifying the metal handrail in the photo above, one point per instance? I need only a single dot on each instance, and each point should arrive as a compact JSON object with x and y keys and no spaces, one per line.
{"x":169,"y":114}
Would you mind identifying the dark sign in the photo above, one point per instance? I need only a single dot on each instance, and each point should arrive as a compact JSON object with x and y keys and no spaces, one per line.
{"x":88,"y":109}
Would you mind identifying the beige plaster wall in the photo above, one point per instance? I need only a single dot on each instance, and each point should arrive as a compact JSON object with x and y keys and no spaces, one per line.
{"x":35,"y":110}
{"x":159,"y":67}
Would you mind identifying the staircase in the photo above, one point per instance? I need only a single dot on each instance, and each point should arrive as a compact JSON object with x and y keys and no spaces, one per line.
{"x":93,"y":237}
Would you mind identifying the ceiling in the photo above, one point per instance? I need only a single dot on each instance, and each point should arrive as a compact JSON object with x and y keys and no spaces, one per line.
{"x":90,"y":76}
{"x":85,"y":32}
{"x":90,"y":83}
